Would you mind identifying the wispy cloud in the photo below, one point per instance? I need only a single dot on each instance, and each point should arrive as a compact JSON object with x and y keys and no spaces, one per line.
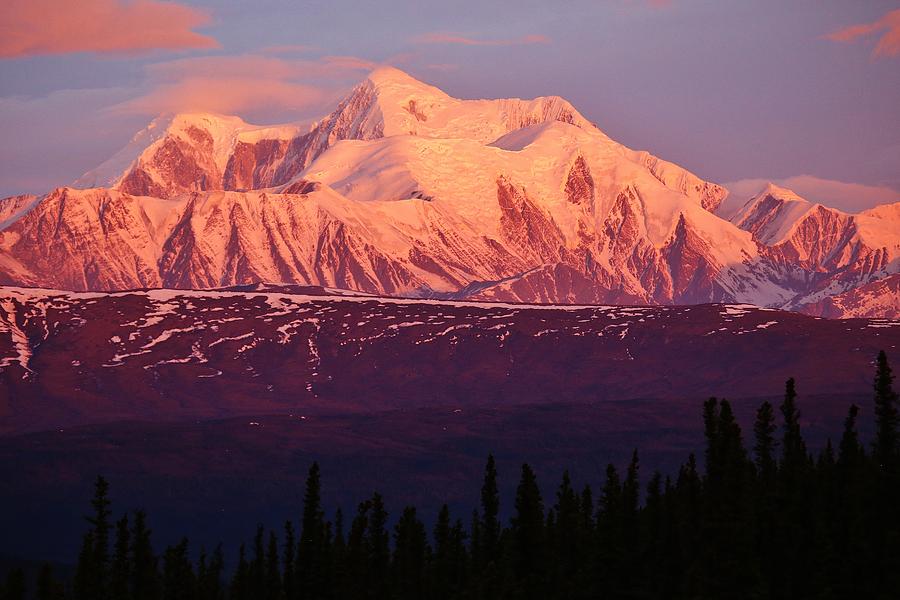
{"x":437,"y":37}
{"x":887,"y":28}
{"x":29,"y":27}
{"x":249,"y":85}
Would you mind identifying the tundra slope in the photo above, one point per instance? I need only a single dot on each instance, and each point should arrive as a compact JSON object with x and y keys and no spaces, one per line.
{"x":86,"y":357}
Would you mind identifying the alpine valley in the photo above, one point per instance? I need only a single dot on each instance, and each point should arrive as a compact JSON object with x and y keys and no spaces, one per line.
{"x":406,"y":191}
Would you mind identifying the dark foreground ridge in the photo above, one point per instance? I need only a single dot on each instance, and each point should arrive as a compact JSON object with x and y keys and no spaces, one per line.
{"x":769,"y":522}
{"x":85,"y":358}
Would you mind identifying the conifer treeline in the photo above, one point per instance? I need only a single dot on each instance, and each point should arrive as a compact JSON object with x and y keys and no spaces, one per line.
{"x":769,"y":522}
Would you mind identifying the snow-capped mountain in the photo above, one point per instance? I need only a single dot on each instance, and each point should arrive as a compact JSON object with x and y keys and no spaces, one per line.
{"x":192,"y":152}
{"x":826,"y":251}
{"x":404,"y":190}
{"x":880,"y":298}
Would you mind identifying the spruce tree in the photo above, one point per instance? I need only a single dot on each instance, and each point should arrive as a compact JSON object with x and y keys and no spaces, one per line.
{"x":794,"y":455}
{"x":764,"y":442}
{"x":15,"y":585}
{"x":411,"y":554}
{"x":688,"y":525}
{"x":357,"y":555}
{"x":764,"y":429}
{"x":378,"y":543}
{"x":120,"y":575}
{"x":289,"y":562}
{"x":567,"y":542}
{"x":447,"y":575}
{"x":608,"y":543}
{"x":212,"y":588}
{"x":440,"y":575}
{"x":586,"y":501}
{"x":478,"y":570}
{"x":257,"y":571}
{"x":726,"y":562}
{"x":92,"y":579}
{"x":338,"y":554}
{"x":179,"y":582}
{"x":849,"y":511}
{"x":48,"y":588}
{"x":528,"y":536}
{"x":459,"y":560}
{"x":850,"y":450}
{"x":273,"y":589}
{"x":884,"y":520}
{"x":83,"y":585}
{"x":490,"y":513}
{"x":630,"y":503}
{"x":145,"y":583}
{"x":241,"y":586}
{"x":795,"y":518}
{"x":101,"y":525}
{"x":310,"y":553}
{"x":653,"y":548}
{"x":886,"y":419}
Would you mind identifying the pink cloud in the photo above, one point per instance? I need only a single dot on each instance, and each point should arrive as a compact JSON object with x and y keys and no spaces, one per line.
{"x":887,"y":26}
{"x":453,"y":38}
{"x":225,"y":95}
{"x":29,"y":27}
{"x":251,"y":85}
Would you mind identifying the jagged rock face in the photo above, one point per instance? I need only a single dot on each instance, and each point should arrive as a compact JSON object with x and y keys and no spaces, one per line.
{"x":180,"y":165}
{"x":252,"y":165}
{"x":693,"y":273}
{"x":14,"y":206}
{"x":826,"y":251}
{"x":580,"y":185}
{"x":82,"y":240}
{"x":880,"y":298}
{"x":526,"y":230}
{"x":631,"y":253}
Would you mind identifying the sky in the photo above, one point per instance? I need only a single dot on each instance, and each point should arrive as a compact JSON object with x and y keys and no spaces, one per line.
{"x":804,"y":93}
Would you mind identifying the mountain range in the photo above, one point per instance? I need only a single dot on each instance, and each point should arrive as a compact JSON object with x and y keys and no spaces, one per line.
{"x":405,"y":191}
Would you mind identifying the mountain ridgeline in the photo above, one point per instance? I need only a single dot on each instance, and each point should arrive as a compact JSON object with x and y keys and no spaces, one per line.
{"x":759,"y":517}
{"x":406,"y":191}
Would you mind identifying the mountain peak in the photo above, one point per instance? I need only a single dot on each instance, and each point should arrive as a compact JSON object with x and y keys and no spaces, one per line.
{"x":778,"y":192}
{"x":388,"y":76}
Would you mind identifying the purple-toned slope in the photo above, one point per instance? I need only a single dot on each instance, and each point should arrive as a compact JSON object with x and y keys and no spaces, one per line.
{"x":68,"y":358}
